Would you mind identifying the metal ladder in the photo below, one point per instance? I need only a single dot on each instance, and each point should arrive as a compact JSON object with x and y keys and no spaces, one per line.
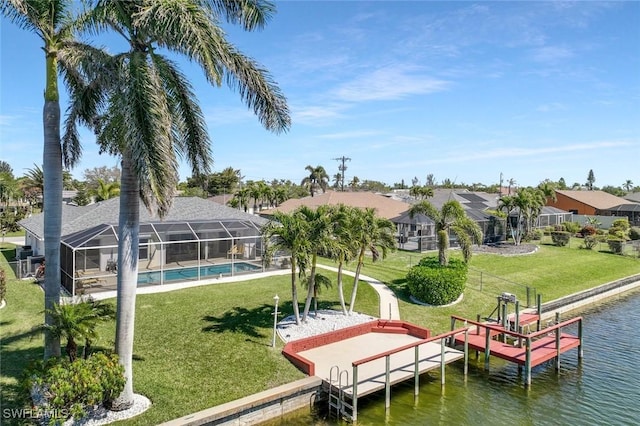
{"x":337,"y":401}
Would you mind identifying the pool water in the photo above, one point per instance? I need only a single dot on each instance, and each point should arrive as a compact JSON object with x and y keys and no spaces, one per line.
{"x":187,"y":274}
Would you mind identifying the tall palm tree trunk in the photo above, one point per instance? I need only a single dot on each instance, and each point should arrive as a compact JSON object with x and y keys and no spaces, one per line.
{"x":312,"y":280}
{"x":443,"y":247}
{"x":341,"y":288}
{"x":128,"y":235}
{"x":52,"y":201}
{"x":294,"y":290}
{"x":356,"y":279}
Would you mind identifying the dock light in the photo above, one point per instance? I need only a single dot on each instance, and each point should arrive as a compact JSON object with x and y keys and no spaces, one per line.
{"x":275,"y":320}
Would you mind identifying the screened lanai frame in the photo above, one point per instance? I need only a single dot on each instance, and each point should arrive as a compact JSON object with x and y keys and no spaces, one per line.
{"x":168,"y":251}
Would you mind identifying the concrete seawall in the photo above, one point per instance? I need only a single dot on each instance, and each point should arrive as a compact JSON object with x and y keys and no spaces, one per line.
{"x":589,"y":297}
{"x":257,"y":408}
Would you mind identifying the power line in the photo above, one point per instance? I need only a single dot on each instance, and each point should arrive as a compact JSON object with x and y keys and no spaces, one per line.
{"x":342,"y":167}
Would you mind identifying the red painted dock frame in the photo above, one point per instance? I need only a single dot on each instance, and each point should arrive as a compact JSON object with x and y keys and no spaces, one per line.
{"x":538,"y":347}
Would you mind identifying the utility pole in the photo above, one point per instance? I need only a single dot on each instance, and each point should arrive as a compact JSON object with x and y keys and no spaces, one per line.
{"x":342,"y":167}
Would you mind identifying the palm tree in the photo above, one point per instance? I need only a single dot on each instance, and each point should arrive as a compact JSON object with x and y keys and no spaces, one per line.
{"x":507,"y":204}
{"x":548,"y":190}
{"x":319,"y":240}
{"x":355,"y":182}
{"x":627,"y":185}
{"x":105,"y":190}
{"x":151,"y":115}
{"x":288,"y":232}
{"x":242,"y":195}
{"x":51,"y":21}
{"x":370,"y":233}
{"x":76,"y":321}
{"x":8,"y":189}
{"x":451,"y":217}
{"x":421,"y":192}
{"x":34,"y":180}
{"x":319,"y":281}
{"x":318,"y":178}
{"x":345,"y":247}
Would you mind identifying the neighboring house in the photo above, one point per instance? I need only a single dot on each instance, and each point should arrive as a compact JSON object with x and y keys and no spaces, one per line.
{"x":634,"y":197}
{"x":385,"y":207}
{"x":185,"y":245}
{"x":68,"y":196}
{"x":596,"y":203}
{"x":477,"y":205}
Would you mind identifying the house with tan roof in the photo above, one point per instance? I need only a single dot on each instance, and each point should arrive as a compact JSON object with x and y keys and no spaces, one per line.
{"x":385,"y":207}
{"x":586,"y":202}
{"x":597,"y":203}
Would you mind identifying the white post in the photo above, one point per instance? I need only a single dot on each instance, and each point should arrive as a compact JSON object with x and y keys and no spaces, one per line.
{"x":275,"y":321}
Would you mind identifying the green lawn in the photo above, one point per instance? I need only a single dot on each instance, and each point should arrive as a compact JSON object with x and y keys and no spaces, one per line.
{"x":201,"y":347}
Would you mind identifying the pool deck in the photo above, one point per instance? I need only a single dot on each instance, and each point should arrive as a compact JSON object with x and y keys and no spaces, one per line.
{"x":101,"y":294}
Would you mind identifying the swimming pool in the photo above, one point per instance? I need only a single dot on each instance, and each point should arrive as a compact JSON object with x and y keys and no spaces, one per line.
{"x":187,"y":274}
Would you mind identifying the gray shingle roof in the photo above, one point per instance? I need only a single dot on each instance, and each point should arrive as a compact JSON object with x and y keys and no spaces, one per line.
{"x":78,"y":218}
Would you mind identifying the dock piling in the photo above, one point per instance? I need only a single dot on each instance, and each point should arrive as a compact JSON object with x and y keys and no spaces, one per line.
{"x":416,"y":372}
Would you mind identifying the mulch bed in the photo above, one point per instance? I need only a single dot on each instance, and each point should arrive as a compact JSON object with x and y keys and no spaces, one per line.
{"x":506,"y":249}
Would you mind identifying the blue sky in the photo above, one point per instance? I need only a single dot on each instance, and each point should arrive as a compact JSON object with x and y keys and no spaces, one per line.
{"x":461,"y":90}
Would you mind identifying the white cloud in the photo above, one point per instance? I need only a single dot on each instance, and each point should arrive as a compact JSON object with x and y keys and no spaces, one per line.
{"x":316,"y":114}
{"x":551,"y":53}
{"x":390,"y":83}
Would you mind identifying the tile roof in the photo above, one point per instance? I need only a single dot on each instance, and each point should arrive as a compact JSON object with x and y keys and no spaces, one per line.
{"x":597,"y":199}
{"x":78,"y":218}
{"x":385,"y":207}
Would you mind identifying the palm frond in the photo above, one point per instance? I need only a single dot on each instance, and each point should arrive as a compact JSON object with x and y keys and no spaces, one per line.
{"x":79,"y":63}
{"x":191,"y":139}
{"x":148,"y":133}
{"x":251,"y":14}
{"x":180,"y":27}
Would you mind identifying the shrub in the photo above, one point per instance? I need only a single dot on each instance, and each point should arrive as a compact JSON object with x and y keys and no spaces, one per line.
{"x":590,"y":241}
{"x":3,"y":284}
{"x":588,"y":230}
{"x":534,"y":235}
{"x":571,"y":227}
{"x":69,"y":388}
{"x":634,"y":233}
{"x":619,"y":230}
{"x":616,"y":245}
{"x":560,"y":238}
{"x":435,"y":284}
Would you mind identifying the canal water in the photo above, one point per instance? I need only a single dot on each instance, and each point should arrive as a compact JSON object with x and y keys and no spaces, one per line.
{"x":602,"y":389}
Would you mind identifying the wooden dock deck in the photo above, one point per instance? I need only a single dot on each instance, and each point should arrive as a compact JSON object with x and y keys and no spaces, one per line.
{"x":526,"y":350}
{"x":367,"y":358}
{"x":371,"y":373}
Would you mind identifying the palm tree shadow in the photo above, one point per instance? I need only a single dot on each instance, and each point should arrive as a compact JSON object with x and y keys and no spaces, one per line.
{"x":400,"y":289}
{"x":245,"y":321}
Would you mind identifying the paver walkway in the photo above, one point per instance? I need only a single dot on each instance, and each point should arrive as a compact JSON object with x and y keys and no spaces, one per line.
{"x":388,"y":301}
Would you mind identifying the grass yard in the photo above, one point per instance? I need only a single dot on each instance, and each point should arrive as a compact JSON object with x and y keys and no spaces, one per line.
{"x":194,"y":348}
{"x":552,"y":271}
{"x":201,"y":347}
